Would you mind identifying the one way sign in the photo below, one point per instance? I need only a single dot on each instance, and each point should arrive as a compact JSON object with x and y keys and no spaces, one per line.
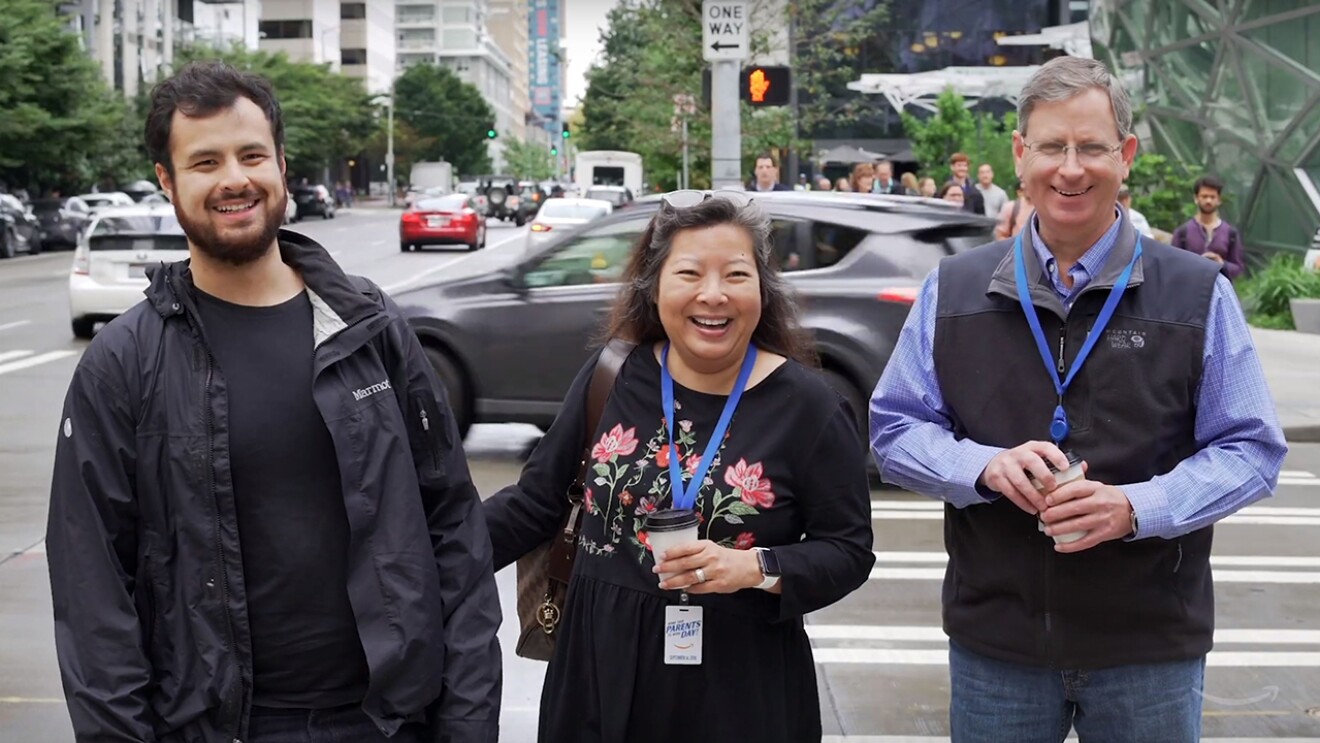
{"x":724,"y":32}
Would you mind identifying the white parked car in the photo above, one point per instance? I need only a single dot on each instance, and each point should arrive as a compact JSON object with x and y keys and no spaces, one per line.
{"x":559,"y":215}
{"x":111,"y":260}
{"x":98,"y":201}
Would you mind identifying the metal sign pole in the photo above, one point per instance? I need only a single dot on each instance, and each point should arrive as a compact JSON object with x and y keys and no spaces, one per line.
{"x":725,"y":39}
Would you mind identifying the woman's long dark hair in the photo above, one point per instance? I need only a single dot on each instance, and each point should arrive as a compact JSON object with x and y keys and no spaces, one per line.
{"x":635,"y":316}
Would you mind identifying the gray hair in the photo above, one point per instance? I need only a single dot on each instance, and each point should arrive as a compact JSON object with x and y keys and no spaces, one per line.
{"x":1062,"y":78}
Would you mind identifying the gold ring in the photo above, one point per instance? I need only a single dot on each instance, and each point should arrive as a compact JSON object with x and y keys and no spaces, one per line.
{"x":701,"y":575}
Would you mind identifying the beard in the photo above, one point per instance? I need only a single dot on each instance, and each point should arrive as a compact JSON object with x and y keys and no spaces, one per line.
{"x":1207,"y":208}
{"x":242,"y":249}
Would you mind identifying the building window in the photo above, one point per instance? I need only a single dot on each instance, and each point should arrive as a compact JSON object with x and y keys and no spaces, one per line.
{"x":285,"y":29}
{"x":459,"y":39}
{"x":353,"y":56}
{"x":460,"y":14}
{"x":349,"y":11}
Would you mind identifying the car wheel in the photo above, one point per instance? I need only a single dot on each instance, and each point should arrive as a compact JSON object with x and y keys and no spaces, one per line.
{"x":483,"y":236}
{"x":520,"y":221}
{"x":34,"y":246}
{"x":327,"y":215}
{"x":455,"y":388}
{"x":7,"y":247}
{"x":84,"y":327}
{"x":849,"y":392}
{"x":405,"y":247}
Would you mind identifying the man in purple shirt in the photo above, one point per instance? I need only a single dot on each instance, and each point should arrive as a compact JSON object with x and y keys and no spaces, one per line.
{"x":1208,"y":235}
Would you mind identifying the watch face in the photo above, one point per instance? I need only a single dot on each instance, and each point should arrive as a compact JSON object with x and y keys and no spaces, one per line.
{"x":769,"y":562}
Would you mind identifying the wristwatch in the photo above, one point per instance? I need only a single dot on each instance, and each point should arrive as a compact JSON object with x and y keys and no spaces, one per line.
{"x":769,"y":563}
{"x":1133,"y":523}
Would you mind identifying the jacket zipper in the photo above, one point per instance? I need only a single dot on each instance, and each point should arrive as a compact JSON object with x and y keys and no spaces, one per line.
{"x":1063,"y":333}
{"x":426,"y":435}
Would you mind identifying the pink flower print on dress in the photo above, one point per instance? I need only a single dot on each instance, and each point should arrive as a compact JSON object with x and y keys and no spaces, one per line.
{"x":748,"y":478}
{"x":745,"y":541}
{"x":617,"y":442}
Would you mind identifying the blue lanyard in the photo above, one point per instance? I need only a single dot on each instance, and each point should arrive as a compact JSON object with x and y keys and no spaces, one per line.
{"x":1059,"y":425}
{"x":687,"y":497}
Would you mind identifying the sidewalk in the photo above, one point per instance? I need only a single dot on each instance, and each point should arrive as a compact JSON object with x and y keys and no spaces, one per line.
{"x":1292,"y":369}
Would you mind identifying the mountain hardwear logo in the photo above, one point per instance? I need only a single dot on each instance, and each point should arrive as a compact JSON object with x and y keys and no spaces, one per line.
{"x":365,"y":392}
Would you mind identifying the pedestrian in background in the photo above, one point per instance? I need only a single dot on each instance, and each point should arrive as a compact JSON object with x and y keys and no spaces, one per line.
{"x":961,"y":165}
{"x":1015,"y":215}
{"x":843,"y":184}
{"x":766,"y":175}
{"x":781,"y":493}
{"x":1078,"y":592}
{"x":232,"y":559}
{"x":993,"y":196}
{"x":1209,"y":235}
{"x":823,"y":183}
{"x":952,"y":193}
{"x":884,"y":179}
{"x":1137,"y":219}
{"x":927,"y":187}
{"x":909,"y":183}
{"x":862,"y":178}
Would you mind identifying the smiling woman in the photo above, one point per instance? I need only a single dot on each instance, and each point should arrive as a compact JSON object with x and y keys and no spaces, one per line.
{"x":715,"y":421}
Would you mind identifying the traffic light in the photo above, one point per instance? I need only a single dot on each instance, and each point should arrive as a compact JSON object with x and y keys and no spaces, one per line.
{"x":766,"y":86}
{"x":554,"y":150}
{"x":567,"y":133}
{"x":491,"y":134}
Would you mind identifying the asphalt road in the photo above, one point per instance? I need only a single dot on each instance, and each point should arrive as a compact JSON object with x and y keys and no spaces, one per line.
{"x":881,"y":655}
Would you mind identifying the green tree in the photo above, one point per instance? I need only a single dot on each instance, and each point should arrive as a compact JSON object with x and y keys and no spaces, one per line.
{"x":834,"y":44}
{"x":1161,"y":191}
{"x":529,"y":160}
{"x":993,"y":143}
{"x":62,"y":126}
{"x":326,"y":115}
{"x":449,"y":115}
{"x":943,"y":133}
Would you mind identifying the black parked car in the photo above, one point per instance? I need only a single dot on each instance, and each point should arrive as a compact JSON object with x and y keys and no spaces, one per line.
{"x":63,"y":220}
{"x":313,"y":201}
{"x":20,"y":232}
{"x":856,"y":260}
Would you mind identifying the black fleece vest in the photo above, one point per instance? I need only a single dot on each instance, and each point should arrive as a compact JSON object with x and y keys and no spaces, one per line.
{"x":1132,"y":410}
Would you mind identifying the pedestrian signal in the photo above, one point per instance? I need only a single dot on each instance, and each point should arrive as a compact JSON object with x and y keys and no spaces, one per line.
{"x":766,"y":86}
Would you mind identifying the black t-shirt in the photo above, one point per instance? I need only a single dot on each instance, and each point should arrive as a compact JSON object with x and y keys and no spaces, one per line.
{"x":292,"y":523}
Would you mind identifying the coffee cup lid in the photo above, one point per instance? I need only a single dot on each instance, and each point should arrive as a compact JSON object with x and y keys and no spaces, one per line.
{"x":1073,"y":461}
{"x":670,"y":519}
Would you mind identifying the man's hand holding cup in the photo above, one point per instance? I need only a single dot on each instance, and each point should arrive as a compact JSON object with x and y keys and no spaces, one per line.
{"x":1011,"y":471}
{"x":1102,"y":511}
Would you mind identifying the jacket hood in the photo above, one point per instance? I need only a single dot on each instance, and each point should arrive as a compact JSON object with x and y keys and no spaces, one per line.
{"x":171,"y":289}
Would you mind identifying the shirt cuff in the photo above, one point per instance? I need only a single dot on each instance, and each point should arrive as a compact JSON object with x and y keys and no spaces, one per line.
{"x":1151,"y":505}
{"x":969,"y":460}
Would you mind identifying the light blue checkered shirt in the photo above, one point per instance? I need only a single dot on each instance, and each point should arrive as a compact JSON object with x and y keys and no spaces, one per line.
{"x":1237,"y":428}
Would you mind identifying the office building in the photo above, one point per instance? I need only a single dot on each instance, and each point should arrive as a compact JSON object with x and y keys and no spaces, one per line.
{"x":367,"y":45}
{"x":305,"y":30}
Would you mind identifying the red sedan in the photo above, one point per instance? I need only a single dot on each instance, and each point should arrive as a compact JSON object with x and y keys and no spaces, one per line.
{"x":443,"y":220}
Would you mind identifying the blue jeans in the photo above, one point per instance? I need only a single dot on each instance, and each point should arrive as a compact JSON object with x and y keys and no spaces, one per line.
{"x":337,"y":725}
{"x":995,"y":701}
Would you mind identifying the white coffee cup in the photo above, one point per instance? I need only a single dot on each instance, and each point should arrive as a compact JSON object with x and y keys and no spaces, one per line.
{"x":668,"y":528}
{"x":1074,"y":472}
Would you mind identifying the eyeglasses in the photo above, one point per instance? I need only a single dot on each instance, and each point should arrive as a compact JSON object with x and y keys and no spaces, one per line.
{"x":690,"y":197}
{"x":1057,"y":152}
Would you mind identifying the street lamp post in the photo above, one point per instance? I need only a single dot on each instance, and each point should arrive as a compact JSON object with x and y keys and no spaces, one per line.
{"x":389,"y":146}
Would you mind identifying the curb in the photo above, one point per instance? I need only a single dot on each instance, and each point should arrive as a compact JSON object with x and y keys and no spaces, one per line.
{"x":1306,"y":433}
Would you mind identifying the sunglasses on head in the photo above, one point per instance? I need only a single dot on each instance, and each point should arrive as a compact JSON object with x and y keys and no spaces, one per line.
{"x":690,"y":197}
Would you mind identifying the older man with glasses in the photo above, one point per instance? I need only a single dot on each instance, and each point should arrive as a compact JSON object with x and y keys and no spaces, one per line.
{"x":1087,"y":403}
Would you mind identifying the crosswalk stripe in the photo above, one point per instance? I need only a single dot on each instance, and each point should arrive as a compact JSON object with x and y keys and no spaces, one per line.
{"x":900,"y":633}
{"x":1221,"y":576}
{"x":32,"y":361}
{"x":926,"y":657}
{"x":1238,"y":561}
{"x":9,"y":355}
{"x":945,"y":739}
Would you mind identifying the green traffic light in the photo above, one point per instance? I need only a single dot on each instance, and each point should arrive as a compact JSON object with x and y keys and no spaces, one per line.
{"x":567,"y":133}
{"x":491,"y":134}
{"x":554,"y":150}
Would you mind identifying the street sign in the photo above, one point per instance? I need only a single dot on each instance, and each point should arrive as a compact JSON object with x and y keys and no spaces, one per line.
{"x":724,"y":30}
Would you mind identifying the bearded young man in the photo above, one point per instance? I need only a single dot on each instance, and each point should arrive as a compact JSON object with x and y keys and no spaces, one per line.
{"x":262,"y":521}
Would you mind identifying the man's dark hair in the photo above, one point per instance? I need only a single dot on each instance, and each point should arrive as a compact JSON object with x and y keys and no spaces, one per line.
{"x":201,"y":89}
{"x":1208,"y":181}
{"x":767,"y":156}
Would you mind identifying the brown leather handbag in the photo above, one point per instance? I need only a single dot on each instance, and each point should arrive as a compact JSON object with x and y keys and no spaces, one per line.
{"x":543,"y":573}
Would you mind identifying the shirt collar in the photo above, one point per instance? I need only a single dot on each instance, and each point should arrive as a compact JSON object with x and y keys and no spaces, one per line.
{"x":1091,"y":261}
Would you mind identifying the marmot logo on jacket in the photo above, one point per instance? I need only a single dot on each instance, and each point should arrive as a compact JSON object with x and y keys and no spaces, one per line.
{"x":364,"y":393}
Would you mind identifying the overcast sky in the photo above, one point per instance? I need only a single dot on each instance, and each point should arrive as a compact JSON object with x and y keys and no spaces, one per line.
{"x":585,"y":19}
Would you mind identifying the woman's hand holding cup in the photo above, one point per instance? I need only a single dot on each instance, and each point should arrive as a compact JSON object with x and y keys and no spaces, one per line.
{"x":725,"y":570}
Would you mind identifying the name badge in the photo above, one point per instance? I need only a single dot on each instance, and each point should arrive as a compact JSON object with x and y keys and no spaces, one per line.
{"x":683,"y":635}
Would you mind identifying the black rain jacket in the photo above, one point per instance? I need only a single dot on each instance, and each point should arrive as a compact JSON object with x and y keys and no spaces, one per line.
{"x":151,"y":623}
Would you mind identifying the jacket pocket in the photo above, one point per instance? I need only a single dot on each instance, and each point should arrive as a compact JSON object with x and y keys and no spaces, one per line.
{"x":427,"y":432}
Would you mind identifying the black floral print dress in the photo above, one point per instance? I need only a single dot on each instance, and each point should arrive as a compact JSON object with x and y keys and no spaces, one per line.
{"x":791,"y":474}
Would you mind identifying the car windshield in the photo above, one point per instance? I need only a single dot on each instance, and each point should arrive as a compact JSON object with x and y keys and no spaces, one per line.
{"x":47,"y":205}
{"x":560,"y":209}
{"x":448,"y":203}
{"x":164,"y":223}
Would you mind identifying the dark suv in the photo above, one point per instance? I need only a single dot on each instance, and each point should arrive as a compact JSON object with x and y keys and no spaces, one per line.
{"x":313,"y":201}
{"x":857,"y":262}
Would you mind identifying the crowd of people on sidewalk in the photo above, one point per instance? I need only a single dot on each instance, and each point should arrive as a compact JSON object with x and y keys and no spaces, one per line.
{"x":236,"y":560}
